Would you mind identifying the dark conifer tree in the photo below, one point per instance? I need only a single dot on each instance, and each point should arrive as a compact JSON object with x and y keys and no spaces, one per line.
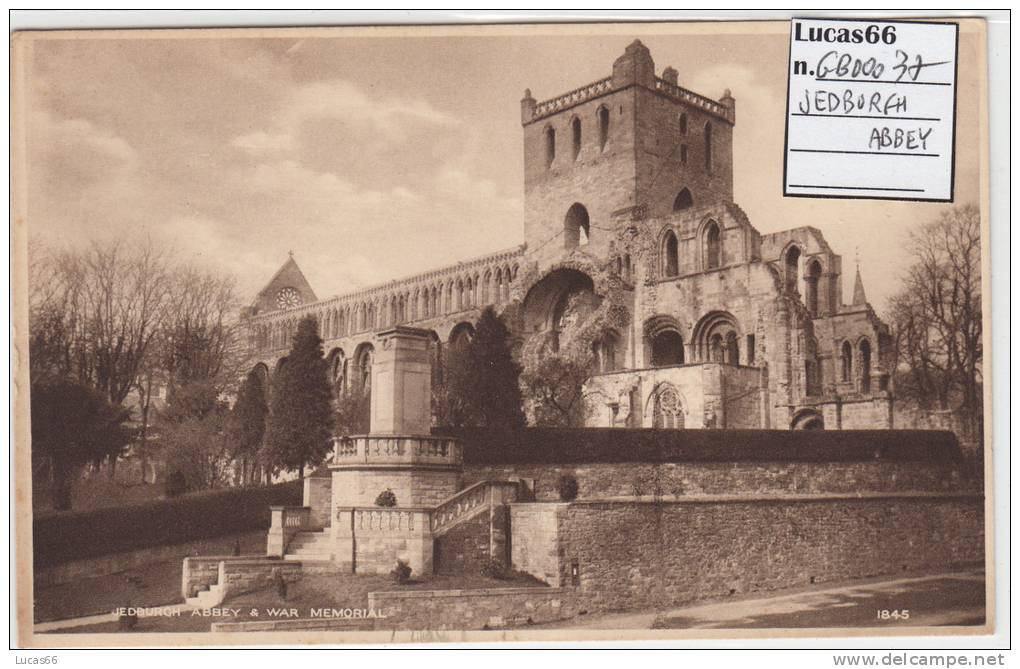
{"x":300,"y":413}
{"x":248,"y":424}
{"x":483,"y":379}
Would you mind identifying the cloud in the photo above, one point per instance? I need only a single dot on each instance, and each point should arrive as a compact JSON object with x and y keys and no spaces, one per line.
{"x":78,"y":152}
{"x":388,"y":119}
{"x":263,"y":142}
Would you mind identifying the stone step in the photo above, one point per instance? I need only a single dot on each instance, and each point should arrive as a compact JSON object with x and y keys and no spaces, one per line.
{"x":308,"y":557}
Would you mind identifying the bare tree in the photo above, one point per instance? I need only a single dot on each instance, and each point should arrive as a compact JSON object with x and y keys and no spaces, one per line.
{"x":125,"y":318}
{"x":96,"y":312}
{"x":937,"y":317}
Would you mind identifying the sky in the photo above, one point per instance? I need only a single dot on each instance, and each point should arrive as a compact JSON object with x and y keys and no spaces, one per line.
{"x":372,"y":156}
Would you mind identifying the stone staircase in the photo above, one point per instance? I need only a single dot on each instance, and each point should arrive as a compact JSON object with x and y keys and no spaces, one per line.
{"x":470,"y":502}
{"x":207,"y":597}
{"x":310,"y":547}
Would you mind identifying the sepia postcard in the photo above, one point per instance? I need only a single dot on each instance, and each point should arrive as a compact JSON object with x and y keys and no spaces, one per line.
{"x":490,"y":333}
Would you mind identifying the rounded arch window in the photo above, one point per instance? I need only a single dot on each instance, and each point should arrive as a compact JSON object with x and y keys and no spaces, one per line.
{"x":603,"y":118}
{"x":811,"y":280}
{"x":576,"y":227}
{"x":865,"y":351}
{"x":670,"y":255}
{"x":713,"y":246}
{"x":667,"y":348}
{"x":550,"y":147}
{"x":575,"y":136}
{"x":792,"y":263}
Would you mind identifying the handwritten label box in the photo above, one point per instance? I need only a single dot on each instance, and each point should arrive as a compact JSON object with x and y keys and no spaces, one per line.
{"x":871,"y":111}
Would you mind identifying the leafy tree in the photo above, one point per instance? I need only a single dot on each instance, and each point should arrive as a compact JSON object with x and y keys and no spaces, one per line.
{"x":482,"y":381}
{"x":352,"y":412}
{"x":554,"y":386}
{"x":73,"y":425}
{"x":198,"y":448}
{"x":300,"y":413}
{"x":247,"y":424}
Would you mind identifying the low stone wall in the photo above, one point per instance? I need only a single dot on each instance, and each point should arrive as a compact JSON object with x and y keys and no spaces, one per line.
{"x":732,"y":478}
{"x":646,"y":553}
{"x":240,"y":576}
{"x":200,"y":572}
{"x":237,"y":573}
{"x":490,"y":608}
{"x":295,"y":624}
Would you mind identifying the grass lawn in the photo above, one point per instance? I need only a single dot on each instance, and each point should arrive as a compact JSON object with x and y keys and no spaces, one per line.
{"x":333,"y":590}
{"x":152,"y":584}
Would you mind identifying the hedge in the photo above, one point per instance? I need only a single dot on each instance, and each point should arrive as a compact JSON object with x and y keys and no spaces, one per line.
{"x":554,"y":446}
{"x":76,"y":535}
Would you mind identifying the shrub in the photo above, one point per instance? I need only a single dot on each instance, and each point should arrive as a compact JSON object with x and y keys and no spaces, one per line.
{"x":552,"y":446}
{"x":567,"y":487}
{"x":176,"y":484}
{"x":386,"y":498}
{"x":76,"y":535}
{"x":494,"y":568}
{"x":401,"y":573}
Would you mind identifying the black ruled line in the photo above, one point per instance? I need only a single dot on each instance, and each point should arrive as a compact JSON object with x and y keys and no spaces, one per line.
{"x":895,"y":83}
{"x":883,"y":118}
{"x":902,"y":190}
{"x":869,"y":153}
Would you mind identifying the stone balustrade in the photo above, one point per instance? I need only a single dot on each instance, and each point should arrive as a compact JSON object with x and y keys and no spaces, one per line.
{"x":574,"y":97}
{"x":397,"y":450}
{"x":285,"y":522}
{"x":695,"y":100}
{"x":390,"y":521}
{"x":483,"y":493}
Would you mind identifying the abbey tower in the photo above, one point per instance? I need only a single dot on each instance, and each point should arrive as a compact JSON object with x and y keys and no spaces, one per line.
{"x":632,"y":145}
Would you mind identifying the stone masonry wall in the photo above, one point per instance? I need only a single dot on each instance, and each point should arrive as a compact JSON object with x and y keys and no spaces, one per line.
{"x":421,"y":488}
{"x":491,"y":608}
{"x":642,"y":554}
{"x":534,"y":541}
{"x":464,"y":548}
{"x":241,"y":576}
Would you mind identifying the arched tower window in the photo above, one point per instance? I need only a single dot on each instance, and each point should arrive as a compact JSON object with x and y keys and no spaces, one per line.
{"x":683,"y":200}
{"x":865,"y":349}
{"x":814,"y":274}
{"x":550,"y":147}
{"x":713,"y":246}
{"x":708,"y":147}
{"x":575,"y":135}
{"x":670,"y":255}
{"x":792,"y":268}
{"x":603,"y":117}
{"x":576,"y":227}
{"x":847,"y":361}
{"x":683,"y":124}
